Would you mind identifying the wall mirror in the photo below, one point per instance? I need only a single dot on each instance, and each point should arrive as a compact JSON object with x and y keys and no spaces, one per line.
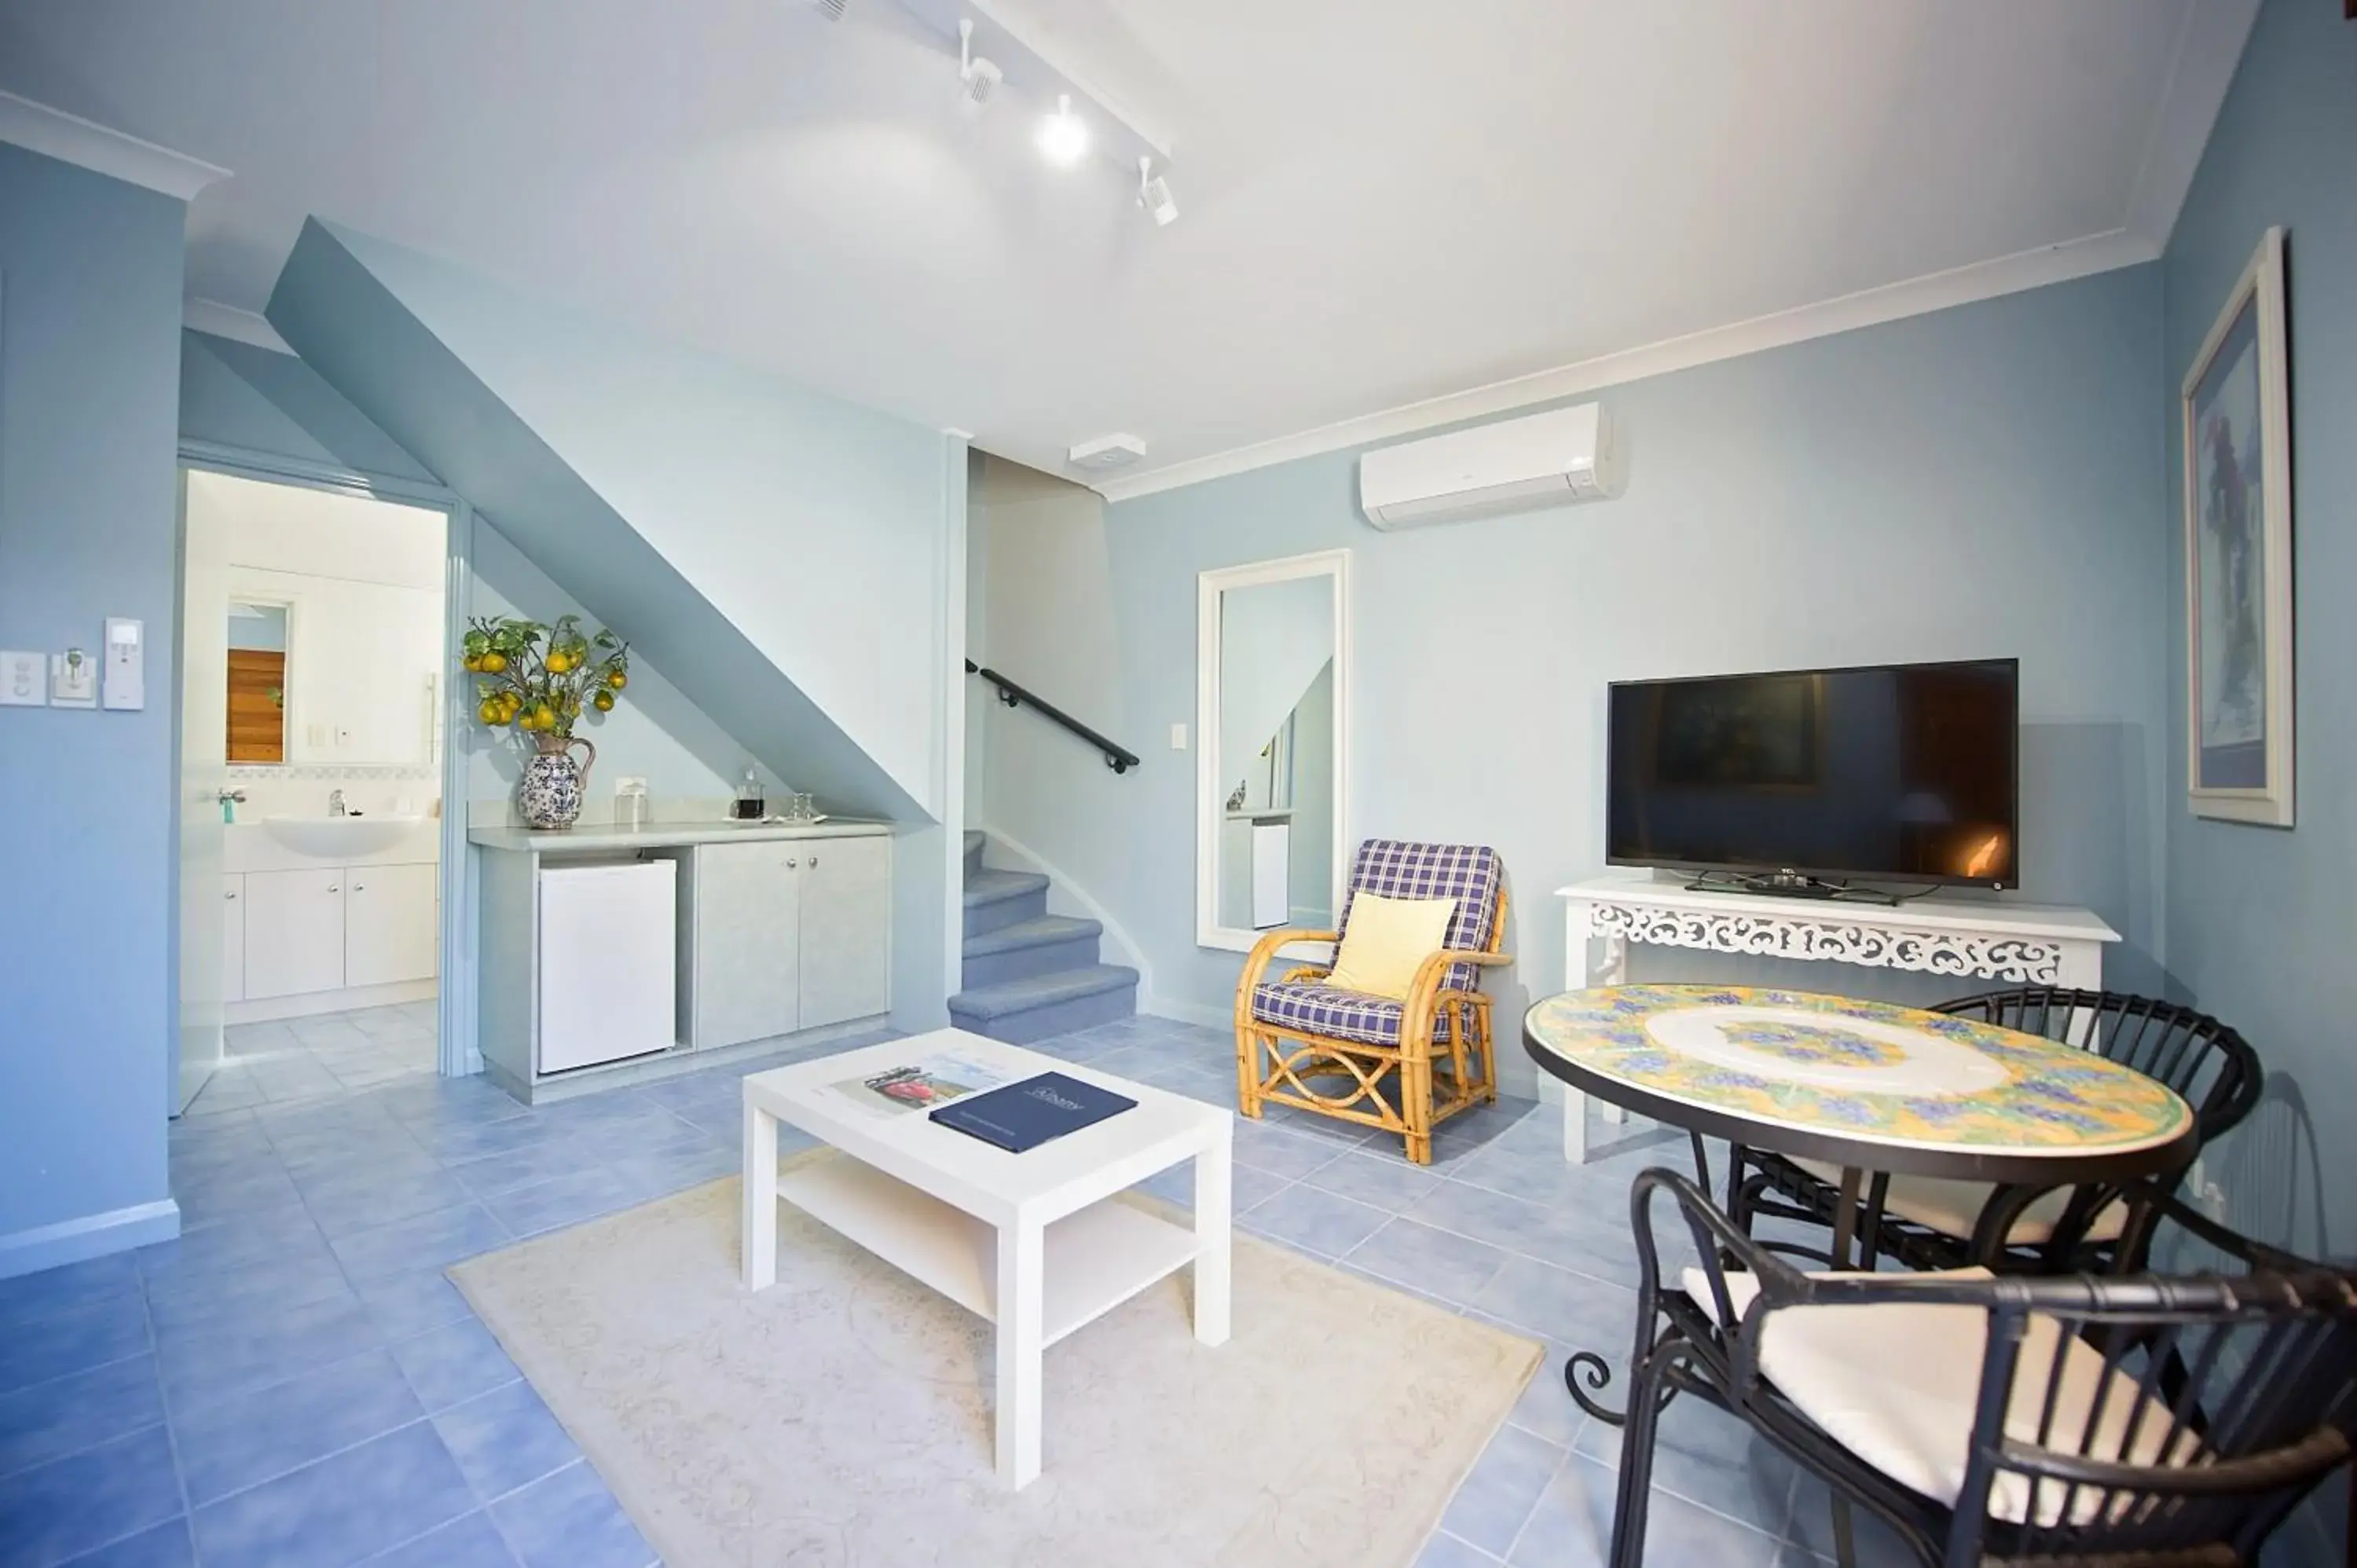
{"x":331,"y":621}
{"x":1272,"y":685}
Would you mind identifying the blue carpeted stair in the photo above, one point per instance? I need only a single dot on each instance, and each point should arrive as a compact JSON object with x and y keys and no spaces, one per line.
{"x":1030,"y":974}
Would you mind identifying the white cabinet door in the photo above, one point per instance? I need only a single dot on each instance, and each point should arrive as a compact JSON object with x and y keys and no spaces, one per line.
{"x":846,"y":930}
{"x":232,"y":923}
{"x":389,"y":926}
{"x":294,"y":932}
{"x":746,"y":943}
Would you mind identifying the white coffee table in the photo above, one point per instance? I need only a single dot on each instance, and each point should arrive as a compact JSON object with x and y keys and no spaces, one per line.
{"x":1034,"y":1242}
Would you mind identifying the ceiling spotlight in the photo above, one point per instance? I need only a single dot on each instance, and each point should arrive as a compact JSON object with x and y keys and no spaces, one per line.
{"x":832,"y":10}
{"x":1154,"y":194}
{"x":978,"y":78}
{"x":1064,"y":136}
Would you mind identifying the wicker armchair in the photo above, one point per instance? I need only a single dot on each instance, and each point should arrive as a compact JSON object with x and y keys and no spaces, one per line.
{"x":2120,"y":1421}
{"x":1401,"y":1066}
{"x":1933,"y":1224}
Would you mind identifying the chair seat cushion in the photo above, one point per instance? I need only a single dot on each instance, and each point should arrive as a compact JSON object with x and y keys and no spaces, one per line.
{"x":1313,"y":1008}
{"x":1954,"y":1207}
{"x":1896,"y":1385}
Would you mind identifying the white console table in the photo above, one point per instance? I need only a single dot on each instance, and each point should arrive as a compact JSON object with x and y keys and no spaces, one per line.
{"x":2023,"y":944}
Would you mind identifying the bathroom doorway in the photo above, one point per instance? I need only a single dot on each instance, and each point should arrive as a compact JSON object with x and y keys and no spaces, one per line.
{"x":315,"y":729}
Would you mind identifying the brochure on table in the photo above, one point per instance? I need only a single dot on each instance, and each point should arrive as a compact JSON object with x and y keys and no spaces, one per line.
{"x":924,"y":1083}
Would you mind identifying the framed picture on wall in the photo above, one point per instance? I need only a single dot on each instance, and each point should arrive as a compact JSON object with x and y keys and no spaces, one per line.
{"x":2238,"y":559}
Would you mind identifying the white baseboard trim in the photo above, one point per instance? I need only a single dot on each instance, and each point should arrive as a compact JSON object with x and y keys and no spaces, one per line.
{"x":92,"y":1236}
{"x":1184,"y":1012}
{"x":311,"y":1003}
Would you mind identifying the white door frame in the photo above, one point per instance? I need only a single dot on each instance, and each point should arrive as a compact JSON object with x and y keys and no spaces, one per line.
{"x":458,"y":1052}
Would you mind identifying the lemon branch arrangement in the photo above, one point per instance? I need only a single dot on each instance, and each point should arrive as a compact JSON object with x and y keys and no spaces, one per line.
{"x":539,"y":678}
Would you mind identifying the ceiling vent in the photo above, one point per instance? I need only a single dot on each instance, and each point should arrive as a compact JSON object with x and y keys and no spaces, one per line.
{"x":832,"y":10}
{"x":1114,"y":451}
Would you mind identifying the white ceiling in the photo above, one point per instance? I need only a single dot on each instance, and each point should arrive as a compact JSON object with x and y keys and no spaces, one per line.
{"x":1384,"y":201}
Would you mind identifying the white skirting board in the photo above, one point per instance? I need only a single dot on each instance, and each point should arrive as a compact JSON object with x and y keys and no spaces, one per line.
{"x":314,"y":1003}
{"x":92,"y":1236}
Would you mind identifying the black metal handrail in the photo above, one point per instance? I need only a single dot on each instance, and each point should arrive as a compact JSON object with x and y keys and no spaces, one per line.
{"x":1015,"y":696}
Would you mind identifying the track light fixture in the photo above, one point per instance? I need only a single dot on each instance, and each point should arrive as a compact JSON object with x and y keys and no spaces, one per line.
{"x":977,"y":78}
{"x":1064,"y":136}
{"x":1154,"y":194}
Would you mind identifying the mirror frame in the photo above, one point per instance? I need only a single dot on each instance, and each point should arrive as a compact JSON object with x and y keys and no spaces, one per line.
{"x":1210,"y":796}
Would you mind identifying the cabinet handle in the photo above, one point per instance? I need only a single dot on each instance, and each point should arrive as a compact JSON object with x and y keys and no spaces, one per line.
{"x":230,"y":895}
{"x":793,"y":865}
{"x":359,"y":887}
{"x":333,"y":888}
{"x":813,"y":863}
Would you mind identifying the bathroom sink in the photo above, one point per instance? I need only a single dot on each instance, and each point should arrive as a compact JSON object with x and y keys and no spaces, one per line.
{"x":339,"y":838}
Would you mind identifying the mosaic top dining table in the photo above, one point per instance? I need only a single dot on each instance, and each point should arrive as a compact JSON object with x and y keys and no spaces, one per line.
{"x":1868,"y":1086}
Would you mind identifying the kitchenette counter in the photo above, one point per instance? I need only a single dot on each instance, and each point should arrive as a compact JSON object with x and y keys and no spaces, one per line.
{"x":607,"y":839}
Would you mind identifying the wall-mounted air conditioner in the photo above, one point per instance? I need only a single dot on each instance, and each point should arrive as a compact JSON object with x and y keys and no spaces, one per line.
{"x":1516,"y":465}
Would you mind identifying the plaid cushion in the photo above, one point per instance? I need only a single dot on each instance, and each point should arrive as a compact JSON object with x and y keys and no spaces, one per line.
{"x":1468,"y":873}
{"x":1316,"y":1009}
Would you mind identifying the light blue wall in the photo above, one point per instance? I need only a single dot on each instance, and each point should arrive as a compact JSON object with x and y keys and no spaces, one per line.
{"x":794,"y":563}
{"x":273,"y":405}
{"x":778,"y":552}
{"x":89,"y":336}
{"x":234,"y":394}
{"x":1979,"y":482}
{"x":2261,"y":920}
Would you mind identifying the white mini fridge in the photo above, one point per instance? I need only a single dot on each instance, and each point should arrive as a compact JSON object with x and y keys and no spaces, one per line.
{"x":609,"y":955}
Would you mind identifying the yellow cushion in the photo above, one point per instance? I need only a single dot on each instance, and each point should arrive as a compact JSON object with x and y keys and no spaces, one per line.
{"x":1386,"y":941}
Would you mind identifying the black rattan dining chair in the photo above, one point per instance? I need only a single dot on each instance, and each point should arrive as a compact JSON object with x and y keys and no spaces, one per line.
{"x":2131,"y":1420}
{"x":1927,"y":1223}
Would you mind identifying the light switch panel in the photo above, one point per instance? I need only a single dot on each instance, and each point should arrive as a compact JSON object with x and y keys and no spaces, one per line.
{"x":20,"y":681}
{"x":1178,"y":737}
{"x":73,"y":680}
{"x":127,"y":663}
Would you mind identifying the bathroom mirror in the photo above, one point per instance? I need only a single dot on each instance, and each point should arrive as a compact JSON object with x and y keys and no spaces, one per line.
{"x":334,"y":619}
{"x":1272,"y":720}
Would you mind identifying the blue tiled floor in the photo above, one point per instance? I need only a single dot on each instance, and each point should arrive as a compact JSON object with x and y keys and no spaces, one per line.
{"x":293,"y":1382}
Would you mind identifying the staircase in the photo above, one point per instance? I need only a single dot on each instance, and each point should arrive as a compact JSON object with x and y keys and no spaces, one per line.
{"x":1027,"y":974}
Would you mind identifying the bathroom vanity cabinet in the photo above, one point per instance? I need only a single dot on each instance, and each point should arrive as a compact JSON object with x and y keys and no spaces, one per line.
{"x":301,"y":938}
{"x":776,"y":931}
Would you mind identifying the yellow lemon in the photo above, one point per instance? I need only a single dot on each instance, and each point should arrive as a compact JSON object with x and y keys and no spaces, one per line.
{"x":605,"y":700}
{"x":494,"y":662}
{"x":617,"y":679}
{"x":491,"y":713}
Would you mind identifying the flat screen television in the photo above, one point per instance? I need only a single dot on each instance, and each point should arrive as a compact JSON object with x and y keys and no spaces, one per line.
{"x":1800,"y":779}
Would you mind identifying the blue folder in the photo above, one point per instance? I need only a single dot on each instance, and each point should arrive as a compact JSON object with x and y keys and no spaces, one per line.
{"x":1027,"y":1114}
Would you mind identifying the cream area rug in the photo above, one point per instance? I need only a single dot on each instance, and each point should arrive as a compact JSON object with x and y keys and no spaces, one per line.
{"x":841,"y":1419}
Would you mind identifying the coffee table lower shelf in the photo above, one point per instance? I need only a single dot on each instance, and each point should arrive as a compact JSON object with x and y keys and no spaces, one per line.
{"x":1096,"y":1258}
